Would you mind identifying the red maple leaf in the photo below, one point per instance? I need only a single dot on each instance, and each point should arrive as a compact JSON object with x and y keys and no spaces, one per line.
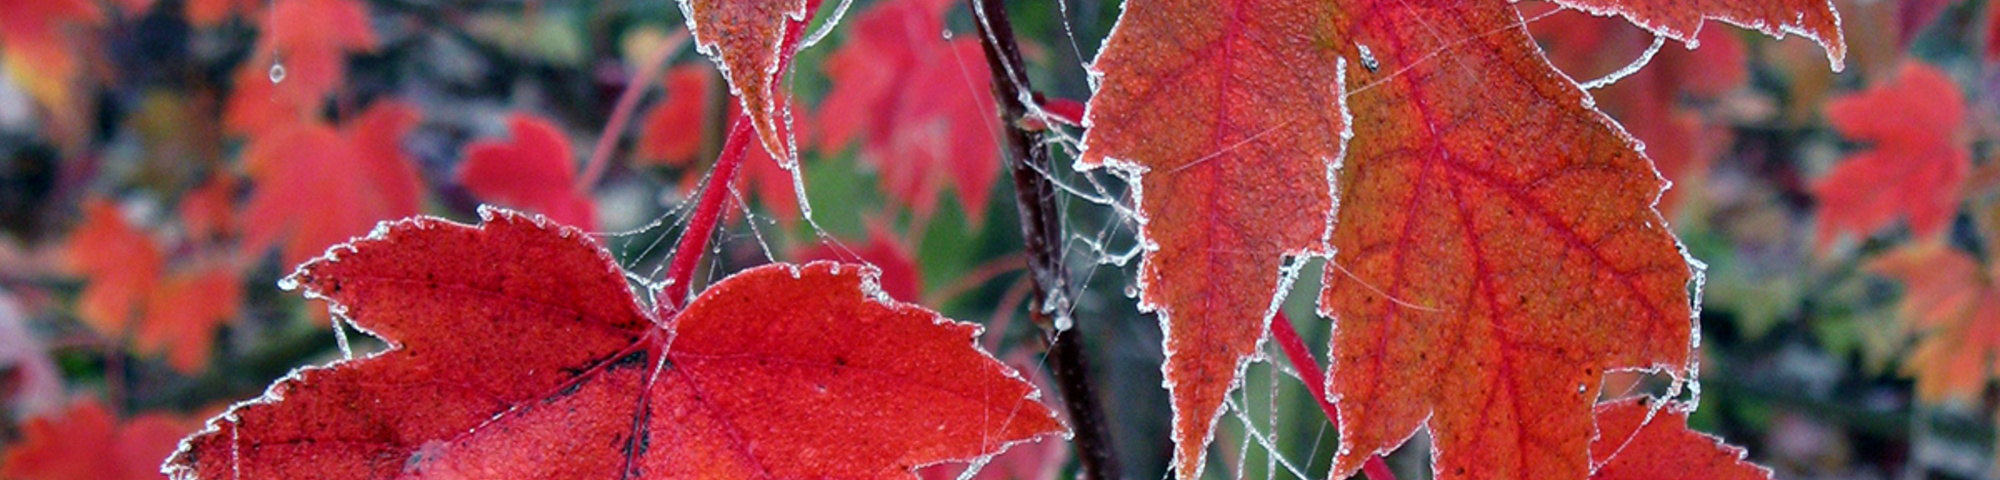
{"x":1473,"y":250}
{"x":120,"y":263}
{"x":535,"y":171}
{"x":315,"y":187}
{"x":88,"y":443}
{"x":519,"y":350}
{"x":1636,"y":440}
{"x":1952,"y":305}
{"x":920,"y":104}
{"x":1649,"y":102}
{"x":744,"y":38}
{"x":1917,"y":163}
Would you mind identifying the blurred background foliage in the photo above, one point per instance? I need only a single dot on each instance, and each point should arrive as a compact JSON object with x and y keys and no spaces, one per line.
{"x":137,"y":288}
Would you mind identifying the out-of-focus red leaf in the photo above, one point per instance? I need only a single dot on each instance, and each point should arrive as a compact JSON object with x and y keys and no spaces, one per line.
{"x":900,"y":277}
{"x":744,"y":37}
{"x":208,"y":210}
{"x":183,"y":312}
{"x":315,"y":187}
{"x":535,"y":171}
{"x":377,"y":136}
{"x":127,"y":279}
{"x":310,"y":40}
{"x":257,"y":106}
{"x":88,"y":443}
{"x":1954,"y":309}
{"x":519,"y":350}
{"x":119,"y":263}
{"x":1638,"y":441}
{"x":672,"y":133}
{"x":920,"y":104}
{"x":210,"y":13}
{"x":1648,"y":103}
{"x":1915,"y":164}
{"x":38,"y":51}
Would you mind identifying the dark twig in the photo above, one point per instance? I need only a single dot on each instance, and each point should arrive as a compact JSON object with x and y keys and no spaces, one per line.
{"x":1041,"y":230}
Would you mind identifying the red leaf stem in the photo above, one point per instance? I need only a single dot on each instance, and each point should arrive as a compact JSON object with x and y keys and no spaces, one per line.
{"x":715,"y":195}
{"x":1295,"y":350}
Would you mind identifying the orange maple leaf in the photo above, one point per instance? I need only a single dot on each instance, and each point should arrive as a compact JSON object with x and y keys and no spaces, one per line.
{"x":121,"y":263}
{"x":1228,"y":191}
{"x":177,"y":314}
{"x":183,"y":312}
{"x":744,"y":37}
{"x":1952,"y":304}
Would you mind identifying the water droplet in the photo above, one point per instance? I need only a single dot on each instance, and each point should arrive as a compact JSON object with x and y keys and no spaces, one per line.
{"x":947,"y":34}
{"x":277,"y":73}
{"x":1131,"y":291}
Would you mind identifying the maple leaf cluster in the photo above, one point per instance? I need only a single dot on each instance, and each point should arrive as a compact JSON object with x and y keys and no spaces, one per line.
{"x":1471,"y":250}
{"x":1487,"y":184}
